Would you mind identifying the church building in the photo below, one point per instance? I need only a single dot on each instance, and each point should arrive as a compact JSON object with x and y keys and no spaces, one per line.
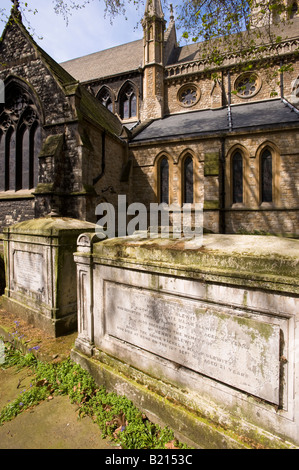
{"x":156,"y":122}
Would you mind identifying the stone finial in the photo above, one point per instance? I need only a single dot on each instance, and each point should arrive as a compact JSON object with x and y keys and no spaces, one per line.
{"x":171,"y":12}
{"x":15,"y":11}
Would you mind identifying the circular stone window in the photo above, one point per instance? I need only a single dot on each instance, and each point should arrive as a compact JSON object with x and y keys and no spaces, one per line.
{"x":188,"y":95}
{"x":247,"y":85}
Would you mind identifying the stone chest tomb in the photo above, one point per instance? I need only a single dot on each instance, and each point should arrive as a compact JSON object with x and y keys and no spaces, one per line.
{"x":41,"y":273}
{"x":212,"y":329}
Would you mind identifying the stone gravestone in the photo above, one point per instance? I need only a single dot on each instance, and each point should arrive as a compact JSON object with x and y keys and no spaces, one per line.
{"x":41,"y":273}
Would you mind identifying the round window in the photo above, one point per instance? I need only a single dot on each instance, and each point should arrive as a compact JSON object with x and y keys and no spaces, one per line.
{"x":247,"y":85}
{"x":188,"y":95}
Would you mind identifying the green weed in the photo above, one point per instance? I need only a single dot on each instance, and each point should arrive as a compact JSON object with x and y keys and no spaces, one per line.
{"x":116,"y":416}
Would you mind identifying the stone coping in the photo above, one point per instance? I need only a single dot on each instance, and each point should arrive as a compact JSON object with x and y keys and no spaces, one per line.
{"x":272,"y":262}
{"x":49,"y":226}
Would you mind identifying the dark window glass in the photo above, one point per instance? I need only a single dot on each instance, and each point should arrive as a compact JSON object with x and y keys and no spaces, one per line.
{"x":2,"y":161}
{"x":35,"y":148}
{"x":188,"y":180}
{"x":20,"y":143}
{"x":105,"y":98}
{"x":164,"y":181}
{"x":237,"y":176}
{"x":133,"y":105}
{"x":126,"y":109}
{"x":128,"y":103}
{"x":24,"y":164}
{"x":266,"y":176}
{"x":294,"y":10}
{"x":10,"y":156}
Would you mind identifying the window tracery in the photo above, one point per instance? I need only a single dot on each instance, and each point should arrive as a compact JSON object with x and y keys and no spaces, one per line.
{"x":105,"y":98}
{"x":188,"y":95}
{"x":128,"y":103}
{"x":20,"y":142}
{"x":247,"y":85}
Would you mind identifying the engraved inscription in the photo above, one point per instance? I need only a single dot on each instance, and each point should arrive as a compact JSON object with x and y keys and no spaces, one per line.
{"x":28,"y":270}
{"x":235,"y":350}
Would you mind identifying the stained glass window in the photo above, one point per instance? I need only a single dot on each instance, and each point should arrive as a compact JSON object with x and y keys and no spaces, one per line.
{"x":188,"y":180}
{"x":237,"y":177}
{"x":266,"y":176}
{"x":164,"y":181}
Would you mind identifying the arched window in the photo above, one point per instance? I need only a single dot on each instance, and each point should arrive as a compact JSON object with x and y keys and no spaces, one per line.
{"x":128,"y":103}
{"x":188,"y":181}
{"x":293,"y":10}
{"x":266,"y":176}
{"x":20,"y":142}
{"x":237,"y":178}
{"x":164,"y":180}
{"x":105,"y":98}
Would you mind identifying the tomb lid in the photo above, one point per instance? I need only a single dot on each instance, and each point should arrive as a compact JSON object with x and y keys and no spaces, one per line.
{"x":268,"y":261}
{"x":47,"y":226}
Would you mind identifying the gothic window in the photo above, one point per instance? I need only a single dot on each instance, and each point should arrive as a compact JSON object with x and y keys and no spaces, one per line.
{"x":266,"y":176}
{"x":188,"y":180}
{"x":188,"y":95}
{"x":293,"y":10}
{"x":247,"y":85}
{"x":237,"y":178}
{"x":128,"y":103}
{"x":164,"y":180}
{"x":20,"y":142}
{"x":105,"y":98}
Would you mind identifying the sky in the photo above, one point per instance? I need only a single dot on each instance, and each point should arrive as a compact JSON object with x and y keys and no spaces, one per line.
{"x":87,"y":31}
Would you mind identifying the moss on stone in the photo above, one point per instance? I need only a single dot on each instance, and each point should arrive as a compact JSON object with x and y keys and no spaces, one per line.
{"x":211,"y":165}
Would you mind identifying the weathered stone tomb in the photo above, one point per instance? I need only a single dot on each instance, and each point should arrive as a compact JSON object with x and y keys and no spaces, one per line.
{"x":41,"y":273}
{"x":204,"y":339}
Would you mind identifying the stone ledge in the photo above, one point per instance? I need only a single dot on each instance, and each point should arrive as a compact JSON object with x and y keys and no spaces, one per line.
{"x":159,"y":405}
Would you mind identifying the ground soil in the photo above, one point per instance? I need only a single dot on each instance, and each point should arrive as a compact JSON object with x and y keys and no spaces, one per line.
{"x":54,"y":423}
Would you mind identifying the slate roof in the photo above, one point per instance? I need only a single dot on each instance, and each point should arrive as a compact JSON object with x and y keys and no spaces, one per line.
{"x":205,"y":122}
{"x":129,"y":57}
{"x":113,"y":61}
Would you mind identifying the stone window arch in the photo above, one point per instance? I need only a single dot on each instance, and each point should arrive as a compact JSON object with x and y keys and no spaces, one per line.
{"x":293,"y":10}
{"x":237,"y":170}
{"x":20,"y":140}
{"x":105,"y":96}
{"x":268,"y":164}
{"x":128,"y":102}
